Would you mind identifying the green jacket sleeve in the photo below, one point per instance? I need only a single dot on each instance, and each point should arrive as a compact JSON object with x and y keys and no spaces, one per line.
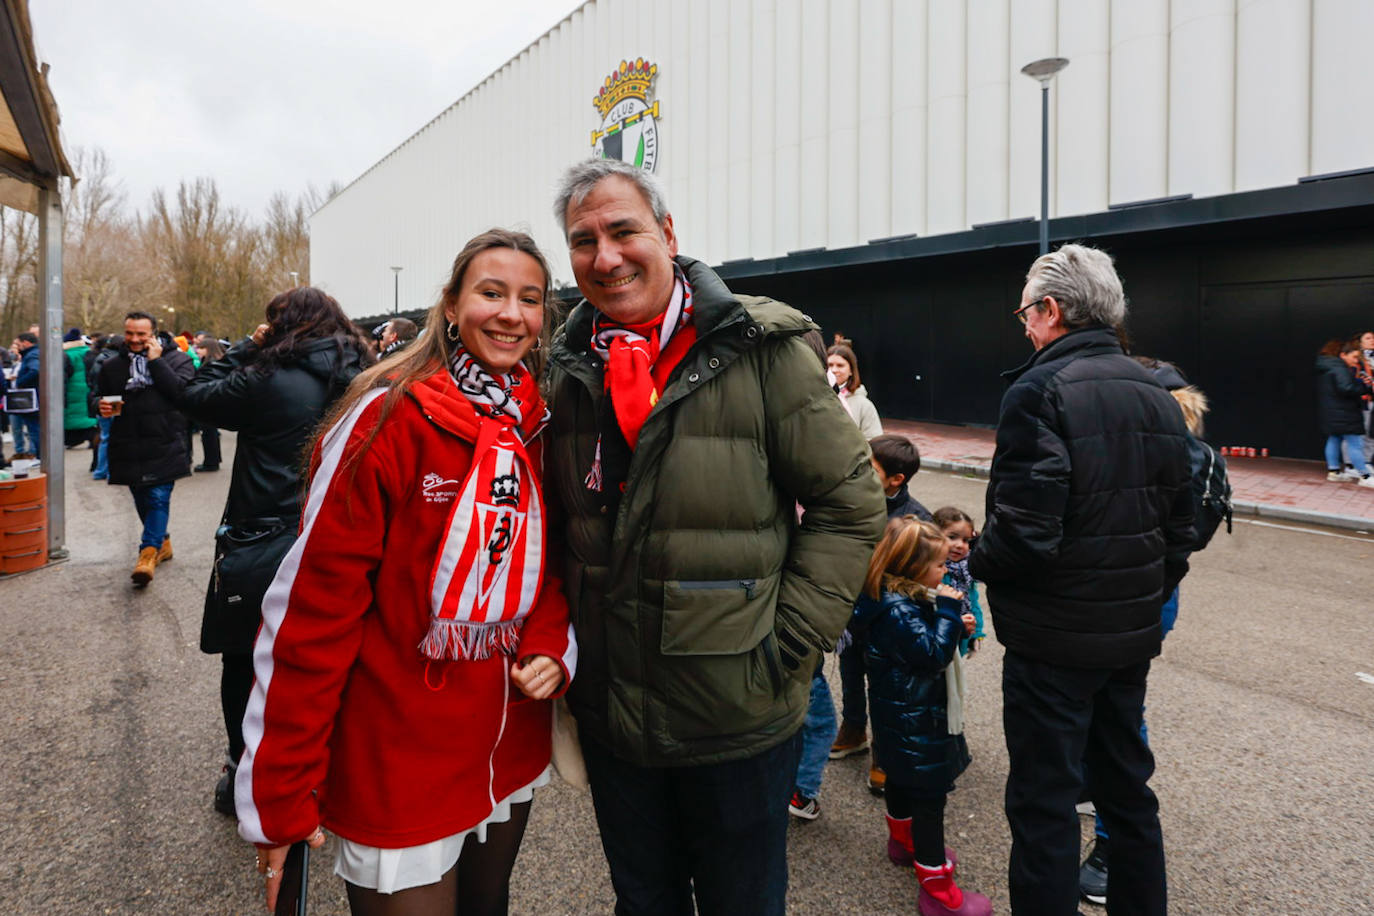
{"x":818,"y":456}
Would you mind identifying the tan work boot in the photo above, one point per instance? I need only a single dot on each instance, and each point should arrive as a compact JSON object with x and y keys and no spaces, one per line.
{"x":165,"y":553}
{"x":143,"y":570}
{"x":851,"y":739}
{"x":877,"y":779}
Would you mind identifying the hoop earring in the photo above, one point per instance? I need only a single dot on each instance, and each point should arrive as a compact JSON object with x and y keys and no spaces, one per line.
{"x":538,"y":345}
{"x":452,"y":333}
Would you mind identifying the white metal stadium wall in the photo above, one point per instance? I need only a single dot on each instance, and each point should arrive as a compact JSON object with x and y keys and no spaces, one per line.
{"x":793,"y":124}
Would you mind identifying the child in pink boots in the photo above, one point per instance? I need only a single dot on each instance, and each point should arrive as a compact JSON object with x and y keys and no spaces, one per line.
{"x":912,"y":624}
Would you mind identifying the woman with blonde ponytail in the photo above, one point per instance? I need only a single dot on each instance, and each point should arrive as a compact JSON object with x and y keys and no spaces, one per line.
{"x":414,"y":637}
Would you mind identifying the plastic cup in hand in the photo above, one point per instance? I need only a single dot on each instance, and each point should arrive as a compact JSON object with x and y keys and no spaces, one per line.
{"x":116,"y":402}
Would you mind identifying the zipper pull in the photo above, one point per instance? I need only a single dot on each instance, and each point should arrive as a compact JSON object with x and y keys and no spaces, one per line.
{"x":749,"y":586}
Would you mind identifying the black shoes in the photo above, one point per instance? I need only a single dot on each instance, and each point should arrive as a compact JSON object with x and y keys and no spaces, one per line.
{"x":202,"y":468}
{"x":1092,"y":876}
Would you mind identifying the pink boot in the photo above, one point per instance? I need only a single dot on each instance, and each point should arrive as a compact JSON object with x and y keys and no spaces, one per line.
{"x":899,"y":846}
{"x":940,"y":896}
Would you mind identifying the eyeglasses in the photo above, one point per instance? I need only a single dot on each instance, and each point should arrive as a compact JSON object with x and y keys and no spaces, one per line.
{"x":1021,"y":312}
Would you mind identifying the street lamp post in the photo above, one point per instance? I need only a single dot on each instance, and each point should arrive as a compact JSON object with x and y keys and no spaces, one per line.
{"x":396,"y":302}
{"x":295,"y":278}
{"x":1043,"y":71}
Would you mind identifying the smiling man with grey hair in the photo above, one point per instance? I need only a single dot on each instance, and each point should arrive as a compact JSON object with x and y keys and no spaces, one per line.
{"x":687,"y":424}
{"x":1089,"y":519}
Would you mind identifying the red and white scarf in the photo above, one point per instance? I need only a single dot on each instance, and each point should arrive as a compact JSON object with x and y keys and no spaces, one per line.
{"x":491,"y":561}
{"x":635,"y":375}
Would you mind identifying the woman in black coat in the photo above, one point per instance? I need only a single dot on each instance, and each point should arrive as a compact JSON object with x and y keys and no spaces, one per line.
{"x":273,"y":388}
{"x":1340,"y":401}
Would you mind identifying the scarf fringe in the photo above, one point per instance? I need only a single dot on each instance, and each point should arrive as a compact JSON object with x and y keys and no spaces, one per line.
{"x":593,"y":481}
{"x":464,"y":640}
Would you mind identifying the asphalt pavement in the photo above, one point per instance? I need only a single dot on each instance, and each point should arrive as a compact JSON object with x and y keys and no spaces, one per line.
{"x":1261,"y":714}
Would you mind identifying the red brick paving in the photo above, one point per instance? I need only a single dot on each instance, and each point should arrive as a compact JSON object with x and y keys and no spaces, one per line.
{"x":1267,"y":483}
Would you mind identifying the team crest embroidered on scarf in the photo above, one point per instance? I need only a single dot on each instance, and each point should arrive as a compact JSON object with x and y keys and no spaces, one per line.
{"x":491,"y":561}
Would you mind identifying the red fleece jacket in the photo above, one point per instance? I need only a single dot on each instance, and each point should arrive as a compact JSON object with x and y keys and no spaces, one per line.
{"x":349,"y":725}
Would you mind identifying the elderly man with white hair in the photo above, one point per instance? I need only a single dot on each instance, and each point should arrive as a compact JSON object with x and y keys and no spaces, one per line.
{"x":1089,"y":519}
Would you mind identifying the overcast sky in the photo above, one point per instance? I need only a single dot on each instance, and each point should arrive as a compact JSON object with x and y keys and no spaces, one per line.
{"x":267,"y":95}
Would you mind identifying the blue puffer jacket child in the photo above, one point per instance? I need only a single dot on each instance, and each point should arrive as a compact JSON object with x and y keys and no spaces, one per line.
{"x":910,"y":643}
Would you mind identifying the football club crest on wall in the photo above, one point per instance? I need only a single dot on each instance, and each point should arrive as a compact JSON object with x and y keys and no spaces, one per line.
{"x":629,"y":123}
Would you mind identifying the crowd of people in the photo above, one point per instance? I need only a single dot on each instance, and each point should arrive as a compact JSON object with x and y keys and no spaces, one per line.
{"x":655,"y":523}
{"x":1345,"y":407}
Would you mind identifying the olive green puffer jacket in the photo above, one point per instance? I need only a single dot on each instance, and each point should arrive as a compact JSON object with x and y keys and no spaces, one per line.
{"x":701,"y":607}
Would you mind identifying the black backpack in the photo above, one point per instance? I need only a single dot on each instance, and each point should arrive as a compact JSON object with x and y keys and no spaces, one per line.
{"x":1211,"y":491}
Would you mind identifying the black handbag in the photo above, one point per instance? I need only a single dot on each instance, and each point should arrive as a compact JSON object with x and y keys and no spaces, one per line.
{"x":246,"y":559}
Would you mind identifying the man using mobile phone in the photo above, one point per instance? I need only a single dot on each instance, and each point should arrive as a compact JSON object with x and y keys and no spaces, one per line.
{"x":148,"y":448}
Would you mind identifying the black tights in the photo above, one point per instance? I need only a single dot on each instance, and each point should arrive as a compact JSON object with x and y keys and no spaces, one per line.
{"x":478,"y":885}
{"x":235,"y":685}
{"x":927,"y":813}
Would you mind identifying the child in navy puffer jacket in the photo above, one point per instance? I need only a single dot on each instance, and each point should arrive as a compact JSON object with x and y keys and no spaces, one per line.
{"x":913,"y":623}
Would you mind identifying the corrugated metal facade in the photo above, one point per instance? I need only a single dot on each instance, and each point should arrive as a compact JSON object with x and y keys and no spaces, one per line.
{"x":795,"y":124}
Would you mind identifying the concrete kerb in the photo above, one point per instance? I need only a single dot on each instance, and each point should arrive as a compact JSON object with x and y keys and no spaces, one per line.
{"x":955,"y":467}
{"x":1259,"y":510}
{"x":1307,"y":516}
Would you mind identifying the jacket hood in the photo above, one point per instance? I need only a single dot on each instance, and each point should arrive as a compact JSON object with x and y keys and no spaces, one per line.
{"x":326,"y":360}
{"x":1168,"y":375}
{"x":866,"y":611}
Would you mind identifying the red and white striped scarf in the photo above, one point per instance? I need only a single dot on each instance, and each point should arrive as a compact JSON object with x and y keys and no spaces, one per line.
{"x":491,"y":561}
{"x":631,"y":355}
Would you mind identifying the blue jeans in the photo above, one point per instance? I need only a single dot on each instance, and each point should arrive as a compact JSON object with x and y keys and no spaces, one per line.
{"x":17,"y":427}
{"x":853,"y":702}
{"x":717,"y":831}
{"x":26,"y":427}
{"x":102,"y":454}
{"x":154,"y":504}
{"x":1354,"y":452}
{"x":818,"y":733}
{"x":1064,"y":726}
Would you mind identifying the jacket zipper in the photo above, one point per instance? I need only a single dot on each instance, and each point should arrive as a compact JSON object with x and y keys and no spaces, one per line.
{"x":749,"y":585}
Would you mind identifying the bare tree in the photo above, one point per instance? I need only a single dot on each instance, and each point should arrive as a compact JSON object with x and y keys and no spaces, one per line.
{"x":210,"y":257}
{"x":189,"y":259}
{"x":105,"y":265}
{"x":18,"y":272}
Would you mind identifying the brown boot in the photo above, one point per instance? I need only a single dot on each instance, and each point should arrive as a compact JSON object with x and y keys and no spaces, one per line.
{"x":165,"y":553}
{"x":877,"y":779}
{"x":850,"y":740}
{"x":143,"y":570}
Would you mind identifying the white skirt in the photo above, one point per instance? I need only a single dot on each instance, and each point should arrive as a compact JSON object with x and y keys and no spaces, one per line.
{"x":392,"y":870}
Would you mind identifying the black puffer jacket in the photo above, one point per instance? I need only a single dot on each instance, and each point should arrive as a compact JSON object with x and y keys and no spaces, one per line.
{"x":274,"y":414}
{"x":909,"y":643}
{"x":148,"y":444}
{"x":1339,"y":398}
{"x":1089,"y":515}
